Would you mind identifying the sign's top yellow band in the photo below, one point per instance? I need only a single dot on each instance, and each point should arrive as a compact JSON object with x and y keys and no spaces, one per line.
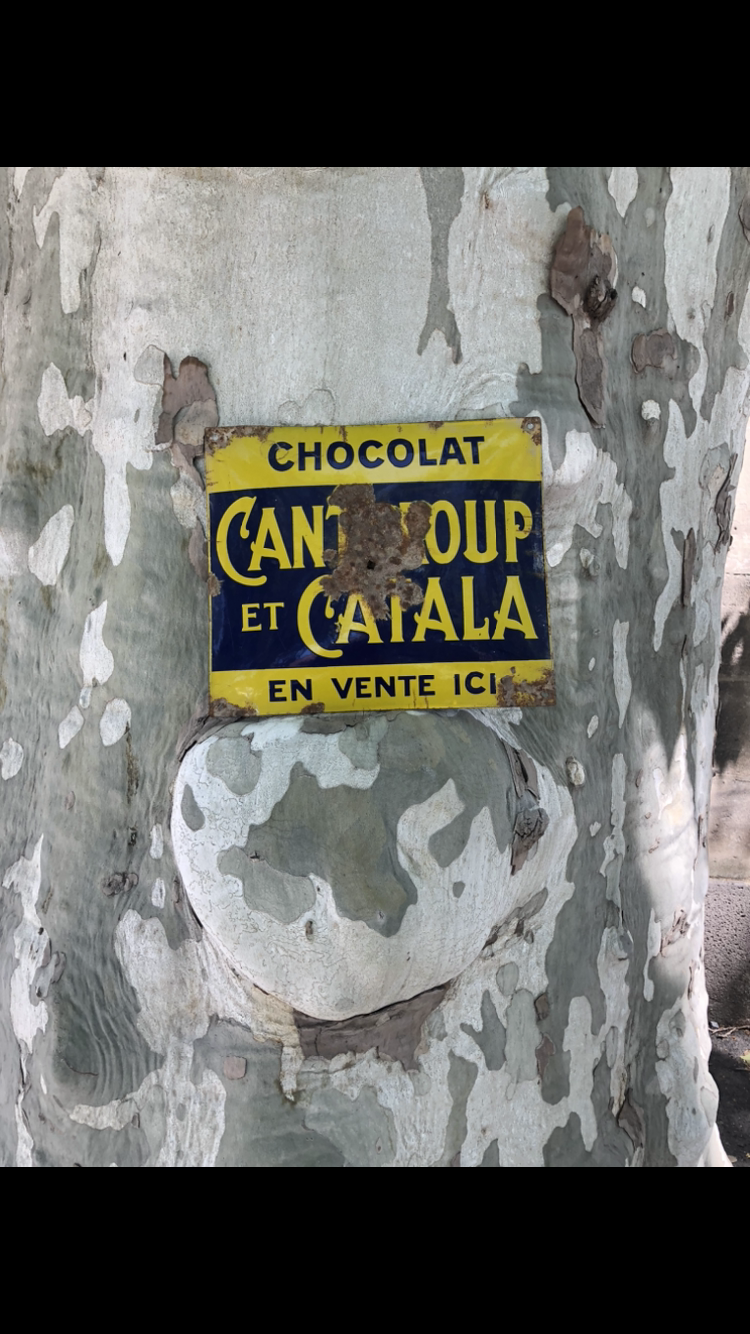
{"x":297,"y":456}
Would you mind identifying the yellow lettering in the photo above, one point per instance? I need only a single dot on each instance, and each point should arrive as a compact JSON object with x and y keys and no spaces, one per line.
{"x":434,"y":601}
{"x":366,"y":626}
{"x":304,"y":609}
{"x":513,"y":534}
{"x":268,"y":528}
{"x":454,"y":525}
{"x":397,"y":622}
{"x":513,"y":596}
{"x":250,"y":614}
{"x":473,"y":553}
{"x":274,"y":608}
{"x":242,"y":506}
{"x":472,"y":631}
{"x":307,"y":535}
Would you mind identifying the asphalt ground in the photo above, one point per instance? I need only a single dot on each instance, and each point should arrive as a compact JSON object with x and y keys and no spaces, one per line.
{"x":728,"y":979}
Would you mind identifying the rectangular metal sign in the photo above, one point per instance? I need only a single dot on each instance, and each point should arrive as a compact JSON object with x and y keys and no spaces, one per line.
{"x":378,"y":567}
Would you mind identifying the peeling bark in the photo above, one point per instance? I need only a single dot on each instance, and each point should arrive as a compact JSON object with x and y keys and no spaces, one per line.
{"x":584,"y":274}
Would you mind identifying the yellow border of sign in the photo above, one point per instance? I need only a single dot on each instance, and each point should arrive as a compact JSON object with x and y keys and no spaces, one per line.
{"x":238,"y":459}
{"x":517,"y":685}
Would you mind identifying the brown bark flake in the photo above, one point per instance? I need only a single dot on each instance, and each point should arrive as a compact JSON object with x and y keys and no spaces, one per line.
{"x":395,"y":1032}
{"x":656,"y":349}
{"x":188,"y":410}
{"x":584,"y":271}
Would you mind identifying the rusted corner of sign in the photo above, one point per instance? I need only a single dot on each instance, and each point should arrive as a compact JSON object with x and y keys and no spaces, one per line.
{"x":515,"y":694}
{"x":533,"y":427}
{"x":225,"y":712}
{"x":222,"y":436}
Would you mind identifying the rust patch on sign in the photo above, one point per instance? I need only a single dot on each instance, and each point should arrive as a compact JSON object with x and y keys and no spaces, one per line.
{"x":515,"y":694}
{"x":584,"y":273}
{"x":395,"y":1032}
{"x":217,"y":439}
{"x":533,"y":427}
{"x":379,"y":545}
{"x":229,"y":713}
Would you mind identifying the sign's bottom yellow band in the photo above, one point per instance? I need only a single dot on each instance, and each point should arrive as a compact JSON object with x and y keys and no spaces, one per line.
{"x":456,"y":685}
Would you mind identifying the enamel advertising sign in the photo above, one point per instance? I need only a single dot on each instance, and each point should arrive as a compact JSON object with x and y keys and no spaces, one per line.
{"x":377,"y":568}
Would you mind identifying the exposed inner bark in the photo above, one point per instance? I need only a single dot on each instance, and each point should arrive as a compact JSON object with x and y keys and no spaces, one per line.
{"x":395,"y":1032}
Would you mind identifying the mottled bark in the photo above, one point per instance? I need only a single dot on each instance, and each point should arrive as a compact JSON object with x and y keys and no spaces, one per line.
{"x":400,"y":940}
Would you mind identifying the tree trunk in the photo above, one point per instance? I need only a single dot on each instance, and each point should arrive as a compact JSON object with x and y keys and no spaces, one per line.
{"x":431,"y":987}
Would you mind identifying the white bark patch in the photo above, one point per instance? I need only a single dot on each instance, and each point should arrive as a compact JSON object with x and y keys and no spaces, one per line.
{"x":72,"y":198}
{"x":505,"y":1105}
{"x":623,"y":682}
{"x":149,"y":369}
{"x":595,"y":829}
{"x":58,"y":412}
{"x":592,"y":728}
{"x":324,"y":964}
{"x":157,"y":843}
{"x":639,"y":297}
{"x":615,"y":957}
{"x":19,"y":179}
{"x":12,"y":555}
{"x":623,"y":187}
{"x":31,"y":943}
{"x":48,"y":556}
{"x":688,"y":499}
{"x":654,"y":950}
{"x":651,"y":410}
{"x":159,"y":895}
{"x":695,"y":217}
{"x":115,"y":722}
{"x":576,"y":773}
{"x":178,"y":993}
{"x":692,"y":1098}
{"x":586,"y":480}
{"x":11,"y":760}
{"x":520,"y":227}
{"x":97,"y":663}
{"x":592,"y":664}
{"x":585,"y":1051}
{"x":70,"y":727}
{"x":174,"y":1013}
